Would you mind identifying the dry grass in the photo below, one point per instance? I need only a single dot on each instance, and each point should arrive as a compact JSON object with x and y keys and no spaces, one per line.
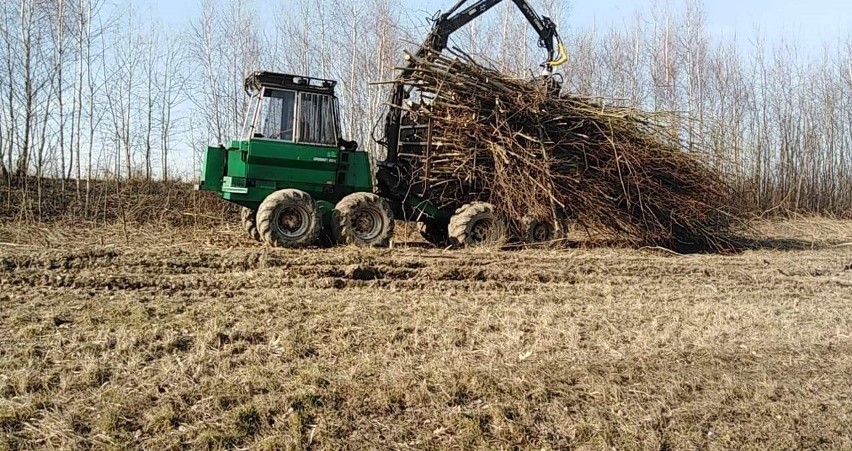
{"x":110,"y":202}
{"x":174,"y":339}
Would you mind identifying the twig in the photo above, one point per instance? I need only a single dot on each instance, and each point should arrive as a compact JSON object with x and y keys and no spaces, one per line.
{"x":18,"y":245}
{"x":660,"y":248}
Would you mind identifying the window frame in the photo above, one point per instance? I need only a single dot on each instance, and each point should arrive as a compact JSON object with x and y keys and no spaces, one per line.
{"x":253,"y":113}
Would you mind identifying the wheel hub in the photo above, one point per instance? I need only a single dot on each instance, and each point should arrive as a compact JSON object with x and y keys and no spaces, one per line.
{"x":481,"y":230}
{"x":366,"y":224}
{"x":541,"y":232}
{"x":292,"y":222}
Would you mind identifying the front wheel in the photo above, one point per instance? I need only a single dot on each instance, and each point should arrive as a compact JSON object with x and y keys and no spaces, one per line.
{"x":362,"y":219}
{"x":289,"y":218}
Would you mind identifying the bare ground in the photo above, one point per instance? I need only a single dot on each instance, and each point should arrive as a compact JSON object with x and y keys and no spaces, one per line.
{"x":185,"y":338}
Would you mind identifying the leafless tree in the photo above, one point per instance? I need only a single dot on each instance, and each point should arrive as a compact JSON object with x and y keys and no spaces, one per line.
{"x":171,"y":81}
{"x":90,"y":91}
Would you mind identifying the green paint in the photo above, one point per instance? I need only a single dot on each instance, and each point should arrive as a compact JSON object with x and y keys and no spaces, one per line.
{"x":258,"y":167}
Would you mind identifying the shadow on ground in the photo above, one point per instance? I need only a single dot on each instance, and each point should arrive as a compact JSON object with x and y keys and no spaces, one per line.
{"x":783,"y":244}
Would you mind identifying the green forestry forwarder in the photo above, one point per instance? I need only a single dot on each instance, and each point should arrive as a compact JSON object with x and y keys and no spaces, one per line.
{"x":295,"y":176}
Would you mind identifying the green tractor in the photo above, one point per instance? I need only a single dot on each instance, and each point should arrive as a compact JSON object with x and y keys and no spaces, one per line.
{"x":292,"y":173}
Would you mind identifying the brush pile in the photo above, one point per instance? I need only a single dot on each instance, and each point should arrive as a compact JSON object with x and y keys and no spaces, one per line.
{"x":530,"y":152}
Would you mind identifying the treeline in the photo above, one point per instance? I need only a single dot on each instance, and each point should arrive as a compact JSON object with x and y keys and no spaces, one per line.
{"x":91,"y":89}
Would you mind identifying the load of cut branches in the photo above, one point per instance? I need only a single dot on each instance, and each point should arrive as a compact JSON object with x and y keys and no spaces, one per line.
{"x":533,"y":152}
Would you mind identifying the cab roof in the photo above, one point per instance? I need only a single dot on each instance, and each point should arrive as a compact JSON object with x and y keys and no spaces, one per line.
{"x":258,"y":80}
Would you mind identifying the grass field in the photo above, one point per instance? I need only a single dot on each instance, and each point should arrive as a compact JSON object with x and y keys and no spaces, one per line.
{"x":170,"y":338}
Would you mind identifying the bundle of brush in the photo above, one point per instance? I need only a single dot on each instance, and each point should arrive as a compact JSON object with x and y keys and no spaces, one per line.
{"x":517,"y":145}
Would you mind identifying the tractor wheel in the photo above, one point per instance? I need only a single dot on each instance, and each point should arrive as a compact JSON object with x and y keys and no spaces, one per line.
{"x":248,"y":219}
{"x":477,"y":224}
{"x":435,"y":234}
{"x":289,"y":218}
{"x":538,"y":231}
{"x":362,"y":219}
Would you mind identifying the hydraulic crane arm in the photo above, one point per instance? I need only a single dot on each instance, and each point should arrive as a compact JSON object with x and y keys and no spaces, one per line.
{"x":448,"y":23}
{"x":451,"y":21}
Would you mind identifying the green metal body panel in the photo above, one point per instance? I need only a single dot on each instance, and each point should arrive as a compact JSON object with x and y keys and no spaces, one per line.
{"x":213,"y":169}
{"x":247,"y":171}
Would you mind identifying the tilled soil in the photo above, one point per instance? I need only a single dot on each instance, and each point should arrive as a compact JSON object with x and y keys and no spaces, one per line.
{"x":170,"y":338}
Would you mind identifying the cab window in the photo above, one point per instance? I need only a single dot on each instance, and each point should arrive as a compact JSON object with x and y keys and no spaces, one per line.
{"x":316,"y":119}
{"x":278,"y":115}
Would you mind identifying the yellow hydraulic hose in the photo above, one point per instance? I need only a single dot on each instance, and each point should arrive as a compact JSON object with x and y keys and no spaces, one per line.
{"x":563,"y":55}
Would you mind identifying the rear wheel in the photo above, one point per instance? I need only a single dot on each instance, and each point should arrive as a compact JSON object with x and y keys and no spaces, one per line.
{"x":248,"y":219}
{"x":289,"y":218}
{"x":477,"y":224}
{"x":362,"y":219}
{"x":538,"y":231}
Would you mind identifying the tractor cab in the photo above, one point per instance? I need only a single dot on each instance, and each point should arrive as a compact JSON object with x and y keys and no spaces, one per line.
{"x":291,"y":108}
{"x":290,"y":141}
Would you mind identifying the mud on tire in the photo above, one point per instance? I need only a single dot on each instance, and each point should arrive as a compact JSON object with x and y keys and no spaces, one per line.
{"x":362,"y":219}
{"x":477,"y":224}
{"x":248,"y":219}
{"x":289,"y":218}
